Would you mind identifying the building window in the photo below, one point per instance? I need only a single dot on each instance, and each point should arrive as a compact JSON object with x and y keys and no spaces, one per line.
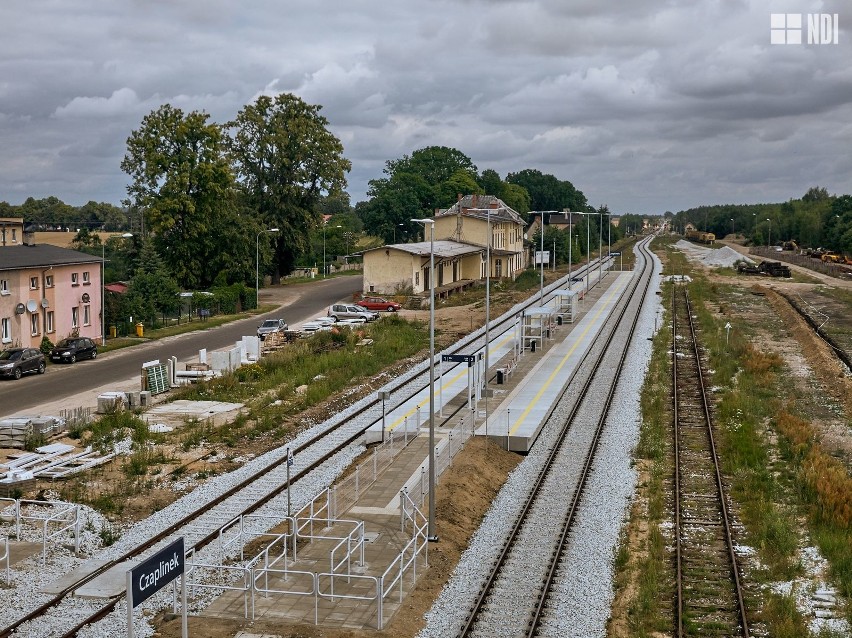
{"x":34,"y":324}
{"x":87,"y":315}
{"x":50,"y":326}
{"x":48,"y":281}
{"x":74,"y":279}
{"x":4,"y":287}
{"x":86,"y":281}
{"x":33,"y":283}
{"x":75,"y":317}
{"x":14,"y":236}
{"x":5,"y":330}
{"x":417,"y":278}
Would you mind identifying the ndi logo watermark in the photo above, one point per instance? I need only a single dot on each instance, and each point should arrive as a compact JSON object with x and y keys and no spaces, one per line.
{"x":786,"y":28}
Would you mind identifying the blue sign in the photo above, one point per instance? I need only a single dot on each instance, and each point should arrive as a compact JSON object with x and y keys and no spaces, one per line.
{"x":155,"y":573}
{"x":459,"y":358}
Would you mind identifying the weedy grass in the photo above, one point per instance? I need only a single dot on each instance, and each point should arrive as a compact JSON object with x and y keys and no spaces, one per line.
{"x":744,"y":381}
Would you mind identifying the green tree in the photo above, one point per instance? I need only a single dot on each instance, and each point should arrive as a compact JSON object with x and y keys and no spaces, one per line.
{"x":152,"y":290}
{"x":414,"y":186}
{"x":547,"y":192}
{"x":286,"y":160}
{"x":182,"y":180}
{"x":85,"y":239}
{"x":396,"y":200}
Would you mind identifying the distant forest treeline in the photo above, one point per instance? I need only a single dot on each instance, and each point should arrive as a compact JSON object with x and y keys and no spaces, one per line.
{"x":816,"y":220}
{"x":51,"y":213}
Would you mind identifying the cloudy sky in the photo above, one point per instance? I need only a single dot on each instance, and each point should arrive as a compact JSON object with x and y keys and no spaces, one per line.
{"x":647,"y":106}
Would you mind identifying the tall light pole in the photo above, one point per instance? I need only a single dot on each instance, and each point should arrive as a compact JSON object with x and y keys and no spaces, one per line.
{"x":570,"y":246}
{"x":487,"y":310}
{"x":257,"y":262}
{"x":394,"y":232}
{"x":103,"y":286}
{"x":733,"y":232}
{"x":609,"y":235}
{"x":588,"y":250}
{"x":541,"y":263}
{"x":600,"y":244}
{"x":431,"y":536}
{"x":323,"y":248}
{"x":769,"y":235}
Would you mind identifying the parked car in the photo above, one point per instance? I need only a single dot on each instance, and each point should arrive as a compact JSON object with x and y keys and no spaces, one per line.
{"x":72,"y":349}
{"x":269,"y":326}
{"x":340,"y":311}
{"x":16,"y":362}
{"x":379,"y":304}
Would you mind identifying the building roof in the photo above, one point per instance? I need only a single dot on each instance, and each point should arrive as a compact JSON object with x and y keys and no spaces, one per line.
{"x":443,"y":248}
{"x":483,"y":207}
{"x":20,"y":257}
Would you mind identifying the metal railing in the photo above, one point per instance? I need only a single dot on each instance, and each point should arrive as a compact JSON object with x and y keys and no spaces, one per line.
{"x":53,"y":518}
{"x":445,"y":452}
{"x":346,"y":493}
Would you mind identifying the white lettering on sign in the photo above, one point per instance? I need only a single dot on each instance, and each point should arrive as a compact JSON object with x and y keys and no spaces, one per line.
{"x":151,"y":578}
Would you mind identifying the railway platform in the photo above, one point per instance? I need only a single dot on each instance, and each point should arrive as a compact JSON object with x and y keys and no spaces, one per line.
{"x":385,"y":552}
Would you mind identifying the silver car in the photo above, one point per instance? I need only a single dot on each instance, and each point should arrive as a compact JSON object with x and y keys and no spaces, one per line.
{"x":341,"y":311}
{"x":269,"y":326}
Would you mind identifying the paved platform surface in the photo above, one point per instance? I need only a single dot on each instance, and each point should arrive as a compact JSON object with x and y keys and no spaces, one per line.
{"x":378,"y":508}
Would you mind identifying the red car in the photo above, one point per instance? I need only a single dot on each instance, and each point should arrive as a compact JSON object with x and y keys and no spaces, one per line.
{"x":378,"y":304}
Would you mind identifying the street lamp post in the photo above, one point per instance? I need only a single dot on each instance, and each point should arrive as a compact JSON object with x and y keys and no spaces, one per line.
{"x":600,"y":244}
{"x":570,"y":247}
{"x":257,"y":261}
{"x":431,"y":535}
{"x":394,"y":232}
{"x":733,"y":232}
{"x":103,"y":285}
{"x":588,"y":250}
{"x":541,"y":263}
{"x":323,"y":248}
{"x":769,"y":235}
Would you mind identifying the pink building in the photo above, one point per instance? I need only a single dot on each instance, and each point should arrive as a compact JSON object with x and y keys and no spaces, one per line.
{"x":48,"y":291}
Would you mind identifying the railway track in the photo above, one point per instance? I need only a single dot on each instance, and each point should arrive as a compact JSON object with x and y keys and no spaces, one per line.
{"x":515,"y":599}
{"x":708,"y":596}
{"x":254,"y":489}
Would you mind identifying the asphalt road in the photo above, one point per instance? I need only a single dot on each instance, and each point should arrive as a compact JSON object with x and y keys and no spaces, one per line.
{"x":299,"y":303}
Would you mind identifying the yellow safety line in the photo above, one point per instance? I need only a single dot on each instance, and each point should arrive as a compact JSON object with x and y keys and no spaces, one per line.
{"x":402,"y":418}
{"x":520,"y":419}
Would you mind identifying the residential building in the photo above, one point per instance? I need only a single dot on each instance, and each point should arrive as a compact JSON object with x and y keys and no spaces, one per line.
{"x":460,"y":246}
{"x":11,"y":231}
{"x":468,"y":220}
{"x":47,"y":291}
{"x":397,"y":267}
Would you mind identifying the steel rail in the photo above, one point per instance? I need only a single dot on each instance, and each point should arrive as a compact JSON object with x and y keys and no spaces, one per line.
{"x":509,"y":543}
{"x":717,"y":479}
{"x":538,"y":614}
{"x":507,"y":321}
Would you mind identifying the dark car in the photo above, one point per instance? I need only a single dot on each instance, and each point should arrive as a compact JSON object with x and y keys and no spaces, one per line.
{"x":269,"y":326}
{"x":74,"y":348}
{"x":19,"y":361}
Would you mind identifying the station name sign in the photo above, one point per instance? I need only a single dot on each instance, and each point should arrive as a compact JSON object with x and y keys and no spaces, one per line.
{"x":147,"y":578}
{"x":469,"y":359}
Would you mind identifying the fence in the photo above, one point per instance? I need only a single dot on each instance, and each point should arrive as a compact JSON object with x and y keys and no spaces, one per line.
{"x":347,"y":492}
{"x":445,"y":452}
{"x":53,"y":518}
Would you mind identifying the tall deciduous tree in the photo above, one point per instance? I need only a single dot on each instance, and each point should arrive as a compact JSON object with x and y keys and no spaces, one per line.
{"x":547,"y":192}
{"x":286,"y":160}
{"x":181,"y":178}
{"x":415,"y":186}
